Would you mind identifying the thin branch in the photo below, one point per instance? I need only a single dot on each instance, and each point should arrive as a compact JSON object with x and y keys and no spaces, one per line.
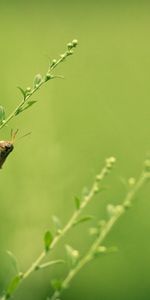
{"x":38,"y":82}
{"x":118,"y":211}
{"x":96,"y":187}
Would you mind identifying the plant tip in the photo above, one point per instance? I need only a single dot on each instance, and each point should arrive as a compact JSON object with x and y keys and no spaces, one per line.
{"x":70,"y":52}
{"x":47,"y":77}
{"x":54,"y":61}
{"x":96,"y":188}
{"x":119,"y":209}
{"x":28,"y":89}
{"x":69,"y":46}
{"x":131,"y":181}
{"x":102,"y":249}
{"x":111,"y":209}
{"x":111,"y":160}
{"x":75,"y":43}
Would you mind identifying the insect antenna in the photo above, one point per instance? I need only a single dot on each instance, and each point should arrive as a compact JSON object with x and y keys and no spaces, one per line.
{"x":13,"y":135}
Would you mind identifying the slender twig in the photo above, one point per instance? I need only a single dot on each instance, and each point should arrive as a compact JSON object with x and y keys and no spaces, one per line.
{"x":40,"y":81}
{"x":88,"y":198}
{"x":103,"y":232}
{"x":96,"y":187}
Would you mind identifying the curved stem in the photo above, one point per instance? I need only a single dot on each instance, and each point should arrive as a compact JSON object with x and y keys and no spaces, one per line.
{"x":86,"y":200}
{"x":47,"y":77}
{"x":120,"y":210}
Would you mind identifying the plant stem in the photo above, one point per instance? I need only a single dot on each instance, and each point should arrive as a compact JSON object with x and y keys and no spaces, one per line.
{"x":86,"y":200}
{"x":120,"y":210}
{"x":70,"y":223}
{"x":47,"y":77}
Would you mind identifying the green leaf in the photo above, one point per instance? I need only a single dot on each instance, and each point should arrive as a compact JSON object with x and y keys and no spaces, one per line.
{"x":25,"y":106}
{"x":13,"y":261}
{"x":48,"y":238}
{"x":77,"y":202}
{"x":2,"y":114}
{"x":83,"y":219}
{"x":37,"y":80}
{"x":22,"y":92}
{"x":104,"y":250}
{"x":57,"y":222}
{"x":49,"y":264}
{"x":29,"y":103}
{"x":72,"y":254}
{"x":112,"y":249}
{"x":111,"y":209}
{"x":13,"y":285}
{"x":56,"y":284}
{"x":101,"y":249}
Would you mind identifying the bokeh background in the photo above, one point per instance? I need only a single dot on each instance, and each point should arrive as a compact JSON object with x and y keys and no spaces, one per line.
{"x":101,"y":108}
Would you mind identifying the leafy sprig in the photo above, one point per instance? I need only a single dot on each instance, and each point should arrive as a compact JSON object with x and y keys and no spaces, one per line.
{"x":102,"y":228}
{"x":50,"y":242}
{"x":39,"y":81}
{"x":101,"y":231}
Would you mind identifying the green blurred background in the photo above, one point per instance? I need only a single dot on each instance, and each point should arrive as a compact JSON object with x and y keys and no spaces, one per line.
{"x":102,"y":108}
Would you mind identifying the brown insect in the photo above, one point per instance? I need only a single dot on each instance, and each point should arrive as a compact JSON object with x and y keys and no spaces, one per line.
{"x":6,"y":147}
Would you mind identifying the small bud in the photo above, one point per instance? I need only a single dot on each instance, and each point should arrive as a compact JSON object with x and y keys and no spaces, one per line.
{"x":28,"y":89}
{"x":21,"y":275}
{"x":63,"y":56}
{"x":75,"y":43}
{"x":53,"y":62}
{"x":111,"y":209}
{"x":106,"y":172}
{"x":70,"y":46}
{"x":96,"y":188}
{"x":75,"y":253}
{"x":102,"y":249}
{"x":127,"y":204}
{"x":37,"y":80}
{"x":48,"y":77}
{"x":99,"y":177}
{"x":70,"y":52}
{"x":119,"y":209}
{"x":131,"y":181}
{"x":110,"y":161}
{"x":109,"y":165}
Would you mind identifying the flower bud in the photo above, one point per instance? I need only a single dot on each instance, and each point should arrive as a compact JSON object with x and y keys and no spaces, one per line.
{"x":75,"y":43}
{"x":70,"y":46}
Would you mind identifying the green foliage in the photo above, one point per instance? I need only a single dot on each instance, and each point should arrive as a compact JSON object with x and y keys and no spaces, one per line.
{"x":73,"y":254}
{"x":14,"y":261}
{"x":13,"y":285}
{"x":2,"y":114}
{"x":22,"y":92}
{"x":37,"y":83}
{"x":49,"y":264}
{"x":77,"y":202}
{"x":83,"y":219}
{"x":47,"y":240}
{"x":57,"y":223}
{"x":100,"y":230}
